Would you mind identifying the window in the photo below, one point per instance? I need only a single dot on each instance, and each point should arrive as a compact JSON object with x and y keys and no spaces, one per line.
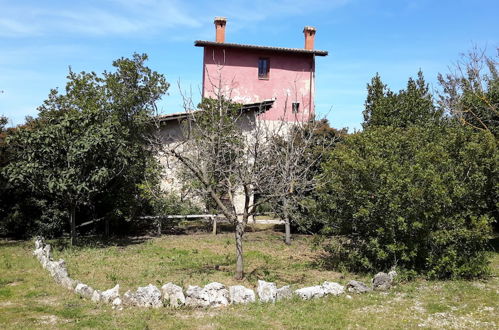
{"x":263,"y":68}
{"x":296,"y":107}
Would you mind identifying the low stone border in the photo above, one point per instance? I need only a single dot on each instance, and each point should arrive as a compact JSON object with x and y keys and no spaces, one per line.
{"x":211,"y":295}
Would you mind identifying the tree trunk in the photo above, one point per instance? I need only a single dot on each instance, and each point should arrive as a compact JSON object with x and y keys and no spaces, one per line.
{"x":214,"y":219}
{"x":158,"y":223}
{"x":287,"y":227}
{"x":239,"y":250}
{"x":287,"y":224}
{"x":72,"y":219}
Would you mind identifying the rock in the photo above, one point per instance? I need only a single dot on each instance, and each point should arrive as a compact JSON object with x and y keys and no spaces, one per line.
{"x":39,"y":243}
{"x":67,"y":282}
{"x":96,"y":296}
{"x":333,"y":288}
{"x":218,"y":295}
{"x":357,"y":287}
{"x":348,"y":296}
{"x":110,"y":295}
{"x":84,"y":290}
{"x":284,"y":293}
{"x":117,"y":304}
{"x":241,"y":295}
{"x":39,"y":254}
{"x":146,"y":296}
{"x":382,"y":282}
{"x":43,"y":260}
{"x":392,"y":274}
{"x":57,"y":269}
{"x":46,"y":251}
{"x":311,"y":292}
{"x":195,"y":296}
{"x":267,"y":291}
{"x":173,"y":295}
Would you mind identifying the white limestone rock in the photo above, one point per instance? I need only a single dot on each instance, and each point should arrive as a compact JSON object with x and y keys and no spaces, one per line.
{"x":117,"y":304}
{"x":146,"y":296}
{"x":47,"y":251}
{"x":217,"y":293}
{"x":284,"y":293}
{"x":267,"y":291}
{"x":110,"y":295}
{"x":57,"y":269}
{"x":96,"y":296}
{"x":173,"y":295}
{"x":39,"y":243}
{"x":195,"y":296}
{"x":39,"y":253}
{"x":67,"y":282}
{"x":311,"y":292}
{"x":333,"y":288}
{"x":241,"y":295}
{"x":84,"y":290}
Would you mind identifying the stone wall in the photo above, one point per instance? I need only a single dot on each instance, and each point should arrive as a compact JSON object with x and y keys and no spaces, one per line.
{"x":211,"y":295}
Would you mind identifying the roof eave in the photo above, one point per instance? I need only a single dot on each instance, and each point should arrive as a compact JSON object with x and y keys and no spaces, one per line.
{"x":258,"y":107}
{"x":201,"y":43}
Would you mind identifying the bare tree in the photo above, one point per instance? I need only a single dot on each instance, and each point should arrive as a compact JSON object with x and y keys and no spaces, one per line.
{"x":231,"y":156}
{"x":297,"y":156}
{"x":470,"y":91}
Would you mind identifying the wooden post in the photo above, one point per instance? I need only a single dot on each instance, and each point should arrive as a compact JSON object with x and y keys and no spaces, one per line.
{"x":159,"y":225}
{"x":214,"y":219}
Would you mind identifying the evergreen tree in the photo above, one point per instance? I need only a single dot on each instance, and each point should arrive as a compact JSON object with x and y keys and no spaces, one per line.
{"x":412,"y":106}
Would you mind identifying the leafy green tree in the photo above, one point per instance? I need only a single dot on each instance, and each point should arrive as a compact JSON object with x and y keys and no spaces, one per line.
{"x":415,"y":198}
{"x":90,"y":142}
{"x":411,"y":106}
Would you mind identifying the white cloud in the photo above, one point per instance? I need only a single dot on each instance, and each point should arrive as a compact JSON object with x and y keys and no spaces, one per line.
{"x":100,"y":18}
{"x":133,"y":17}
{"x":13,"y":28}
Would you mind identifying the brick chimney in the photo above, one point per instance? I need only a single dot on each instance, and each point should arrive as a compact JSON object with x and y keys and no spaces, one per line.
{"x":220,"y":28}
{"x":309,"y":32}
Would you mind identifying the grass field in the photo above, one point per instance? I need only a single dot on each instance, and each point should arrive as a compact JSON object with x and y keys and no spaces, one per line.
{"x":30,"y":299}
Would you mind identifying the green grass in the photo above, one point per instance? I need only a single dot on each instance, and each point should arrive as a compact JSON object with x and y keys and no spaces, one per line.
{"x":30,"y":299}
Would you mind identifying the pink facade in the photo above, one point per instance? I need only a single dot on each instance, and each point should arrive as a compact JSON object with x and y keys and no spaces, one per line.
{"x":290,"y":79}
{"x":249,"y":74}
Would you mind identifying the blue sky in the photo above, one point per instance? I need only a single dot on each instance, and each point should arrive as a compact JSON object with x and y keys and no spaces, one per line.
{"x":41,"y":39}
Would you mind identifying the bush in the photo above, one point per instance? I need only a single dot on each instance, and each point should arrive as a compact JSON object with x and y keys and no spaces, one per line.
{"x":421,"y":199}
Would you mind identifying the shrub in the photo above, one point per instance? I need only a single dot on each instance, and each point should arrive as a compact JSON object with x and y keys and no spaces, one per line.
{"x":421,"y":199}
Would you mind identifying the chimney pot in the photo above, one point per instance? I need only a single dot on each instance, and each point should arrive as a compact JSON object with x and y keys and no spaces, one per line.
{"x":220,"y":28}
{"x":309,"y":32}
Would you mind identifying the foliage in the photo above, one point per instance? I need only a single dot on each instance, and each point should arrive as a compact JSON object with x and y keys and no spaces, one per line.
{"x":159,"y":201}
{"x":324,"y":140}
{"x":410,"y":106}
{"x":470,"y":92}
{"x":87,"y":147}
{"x":298,"y":155}
{"x":415,"y":198}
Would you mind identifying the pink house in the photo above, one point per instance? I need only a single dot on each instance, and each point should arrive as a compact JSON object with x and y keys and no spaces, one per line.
{"x":272,"y":83}
{"x":252,"y":74}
